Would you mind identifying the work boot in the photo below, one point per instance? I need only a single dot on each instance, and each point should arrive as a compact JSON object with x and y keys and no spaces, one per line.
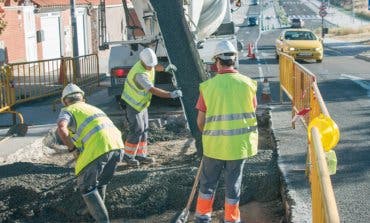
{"x":224,"y":221}
{"x":85,"y":210}
{"x":145,"y":159}
{"x":203,"y":220}
{"x":130,"y":161}
{"x":96,"y":206}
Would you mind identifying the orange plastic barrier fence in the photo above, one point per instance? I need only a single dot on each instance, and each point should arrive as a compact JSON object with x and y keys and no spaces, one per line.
{"x":286,"y":72}
{"x":5,"y":97}
{"x":300,"y":86}
{"x":28,"y":81}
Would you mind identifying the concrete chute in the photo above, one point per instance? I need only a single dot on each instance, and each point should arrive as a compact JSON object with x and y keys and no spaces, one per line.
{"x":183,"y":54}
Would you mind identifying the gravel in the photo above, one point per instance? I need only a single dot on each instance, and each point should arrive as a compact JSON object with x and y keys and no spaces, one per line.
{"x":38,"y":185}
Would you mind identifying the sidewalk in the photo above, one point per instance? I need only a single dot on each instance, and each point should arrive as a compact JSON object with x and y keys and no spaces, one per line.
{"x":337,"y":16}
{"x":292,"y":150}
{"x":340,"y":18}
{"x":41,"y":119}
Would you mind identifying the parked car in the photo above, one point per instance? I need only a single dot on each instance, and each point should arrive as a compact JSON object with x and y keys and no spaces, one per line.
{"x":297,"y":23}
{"x":252,"y":21}
{"x":255,"y":2}
{"x":300,"y":44}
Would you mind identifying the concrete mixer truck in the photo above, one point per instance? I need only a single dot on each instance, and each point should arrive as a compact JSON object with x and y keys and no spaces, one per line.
{"x":209,"y":21}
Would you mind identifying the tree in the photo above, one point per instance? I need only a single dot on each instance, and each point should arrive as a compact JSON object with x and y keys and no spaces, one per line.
{"x":2,"y":20}
{"x":3,"y":23}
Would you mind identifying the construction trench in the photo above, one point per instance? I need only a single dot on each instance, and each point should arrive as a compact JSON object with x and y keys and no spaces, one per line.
{"x":38,"y":184}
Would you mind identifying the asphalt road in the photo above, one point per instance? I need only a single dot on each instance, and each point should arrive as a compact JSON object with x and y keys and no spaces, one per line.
{"x":344,"y":83}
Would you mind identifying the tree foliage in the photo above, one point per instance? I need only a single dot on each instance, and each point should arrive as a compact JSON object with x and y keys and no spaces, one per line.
{"x":2,"y":20}
{"x":2,"y":16}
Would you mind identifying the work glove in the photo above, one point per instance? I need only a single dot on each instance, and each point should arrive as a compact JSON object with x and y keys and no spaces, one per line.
{"x":171,"y":67}
{"x":75,"y":152}
{"x":176,"y":94}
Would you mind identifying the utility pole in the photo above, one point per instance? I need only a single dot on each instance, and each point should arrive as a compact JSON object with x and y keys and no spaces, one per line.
{"x":74,"y":38}
{"x":322,"y":13}
{"x":353,"y":10}
{"x":322,"y":27}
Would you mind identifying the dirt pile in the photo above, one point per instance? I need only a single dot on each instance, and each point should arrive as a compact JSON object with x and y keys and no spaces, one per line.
{"x":40,"y":187}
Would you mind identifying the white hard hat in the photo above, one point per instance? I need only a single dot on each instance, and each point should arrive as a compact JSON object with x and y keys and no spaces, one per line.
{"x":225,"y":47}
{"x":71,"y":89}
{"x":149,"y":58}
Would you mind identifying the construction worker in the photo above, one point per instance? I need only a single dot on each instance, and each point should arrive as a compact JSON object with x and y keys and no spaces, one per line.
{"x":226,"y":117}
{"x":137,"y":93}
{"x":96,"y":144}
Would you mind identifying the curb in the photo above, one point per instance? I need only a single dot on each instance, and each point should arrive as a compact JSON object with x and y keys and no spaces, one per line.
{"x":365,"y":57}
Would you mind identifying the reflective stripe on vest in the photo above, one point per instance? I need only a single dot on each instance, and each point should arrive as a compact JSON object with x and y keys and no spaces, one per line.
{"x":143,"y":93}
{"x":137,"y":98}
{"x":95,"y":130}
{"x":85,"y":123}
{"x":230,"y":129}
{"x":95,"y":135}
{"x":230,"y":117}
{"x":230,"y":132}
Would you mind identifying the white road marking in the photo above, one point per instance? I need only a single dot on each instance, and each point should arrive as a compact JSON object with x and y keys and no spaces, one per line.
{"x":260,"y":71}
{"x":358,"y":80}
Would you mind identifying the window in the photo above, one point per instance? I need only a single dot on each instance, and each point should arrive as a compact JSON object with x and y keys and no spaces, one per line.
{"x":299,"y":35}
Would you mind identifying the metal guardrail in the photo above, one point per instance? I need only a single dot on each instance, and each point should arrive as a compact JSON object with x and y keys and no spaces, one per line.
{"x":300,"y":86}
{"x":28,"y":81}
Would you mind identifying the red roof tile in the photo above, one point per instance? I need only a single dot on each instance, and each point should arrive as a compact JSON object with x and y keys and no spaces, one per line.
{"x":45,"y":3}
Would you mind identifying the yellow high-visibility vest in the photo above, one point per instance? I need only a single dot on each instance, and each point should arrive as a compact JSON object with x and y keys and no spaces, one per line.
{"x":137,"y":98}
{"x":230,"y":131}
{"x":95,"y":133}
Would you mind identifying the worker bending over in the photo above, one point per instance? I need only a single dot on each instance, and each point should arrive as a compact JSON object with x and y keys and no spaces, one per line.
{"x":226,"y":117}
{"x":137,"y":94}
{"x":96,"y":144}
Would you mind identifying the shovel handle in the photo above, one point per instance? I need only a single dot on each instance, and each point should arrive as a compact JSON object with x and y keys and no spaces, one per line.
{"x":195,"y":185}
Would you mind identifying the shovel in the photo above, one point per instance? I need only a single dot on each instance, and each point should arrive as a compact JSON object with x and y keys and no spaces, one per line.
{"x":16,"y":130}
{"x":183,"y":216}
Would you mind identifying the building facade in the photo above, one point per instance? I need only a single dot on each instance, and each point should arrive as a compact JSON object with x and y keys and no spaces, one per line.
{"x":41,"y":29}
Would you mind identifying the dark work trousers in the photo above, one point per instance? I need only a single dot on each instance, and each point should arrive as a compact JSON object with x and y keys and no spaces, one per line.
{"x":211,"y":172}
{"x":99,"y":172}
{"x":209,"y":178}
{"x":136,"y":140}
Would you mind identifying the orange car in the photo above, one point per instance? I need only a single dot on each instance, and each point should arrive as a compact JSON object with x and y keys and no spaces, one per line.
{"x":301,"y":44}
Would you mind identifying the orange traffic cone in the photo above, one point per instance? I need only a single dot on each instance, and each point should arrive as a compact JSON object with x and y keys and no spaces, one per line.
{"x":253,"y":56}
{"x":249,"y":50}
{"x":266,"y":92}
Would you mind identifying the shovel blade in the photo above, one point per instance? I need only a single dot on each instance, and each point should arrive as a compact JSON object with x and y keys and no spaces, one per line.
{"x":181,"y":217}
{"x":18,"y":129}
